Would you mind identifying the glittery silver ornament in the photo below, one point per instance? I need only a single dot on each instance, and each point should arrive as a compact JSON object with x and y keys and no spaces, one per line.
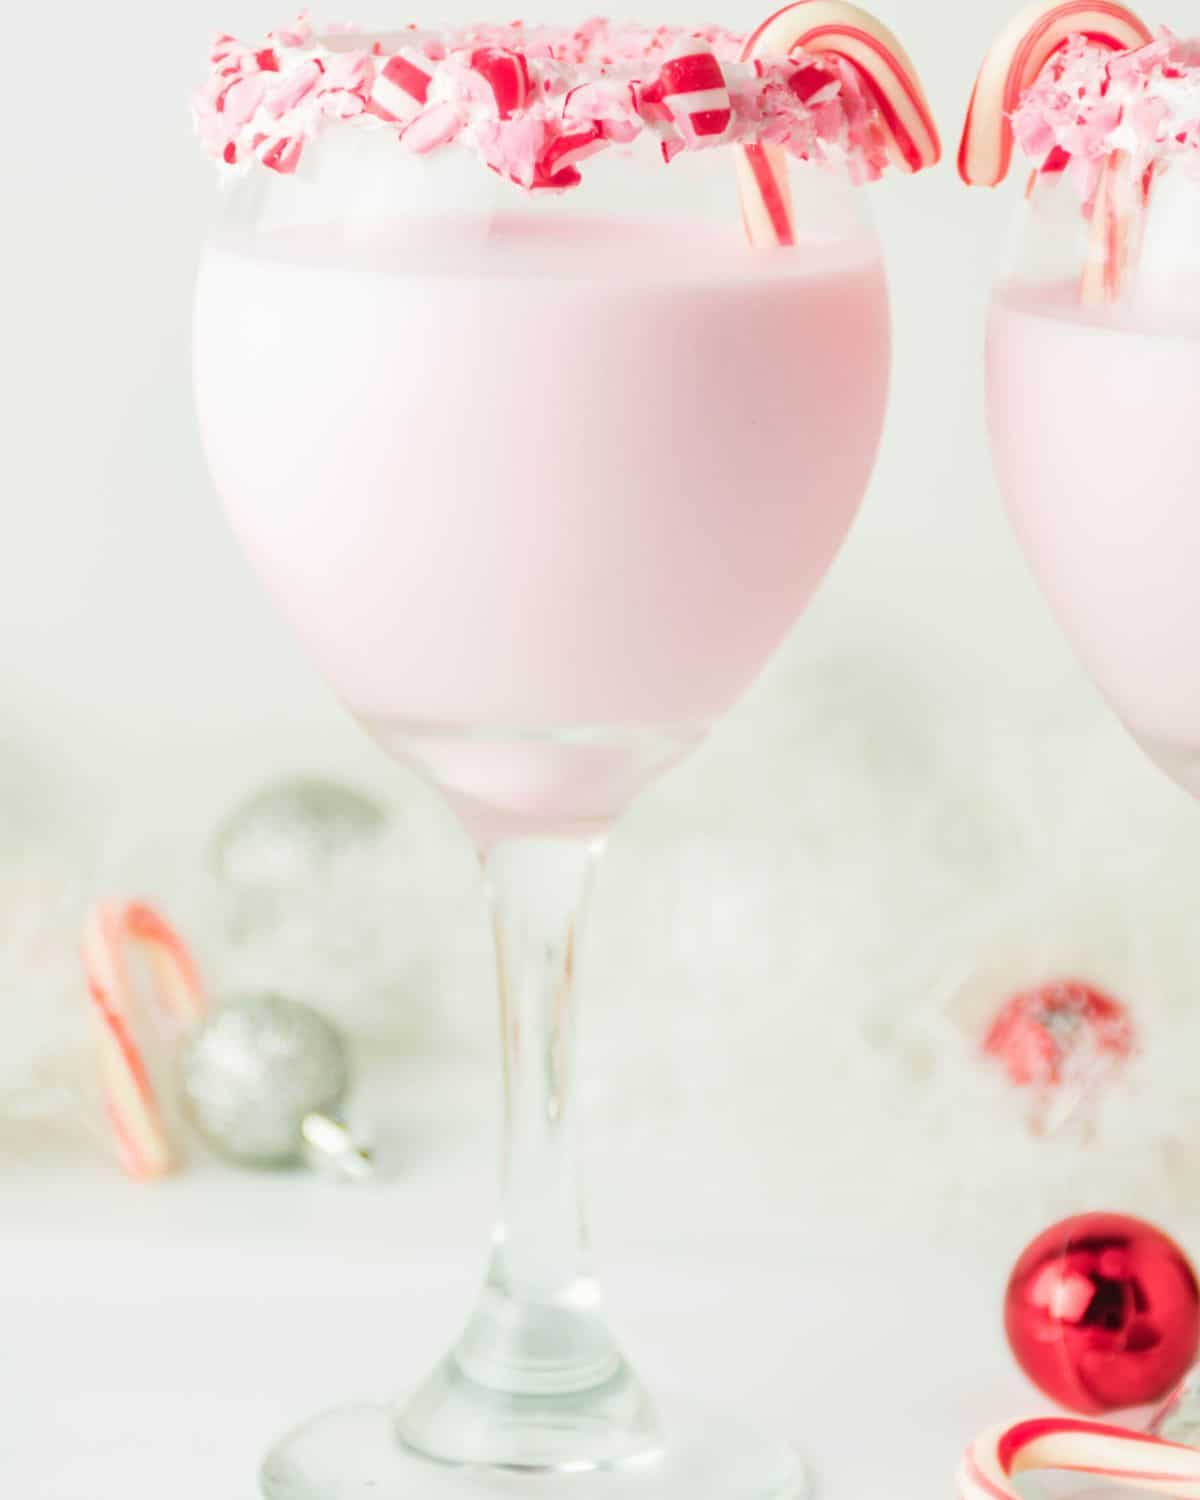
{"x":263,"y":1080}
{"x":293,"y":832}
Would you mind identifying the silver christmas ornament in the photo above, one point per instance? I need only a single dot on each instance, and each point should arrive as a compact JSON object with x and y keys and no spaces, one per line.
{"x":292,"y":832}
{"x":264,"y":1079}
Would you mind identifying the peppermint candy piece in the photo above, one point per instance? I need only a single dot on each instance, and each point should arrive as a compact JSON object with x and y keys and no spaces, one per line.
{"x":557,"y":167}
{"x":693,"y":88}
{"x":401,"y":88}
{"x":507,"y":75}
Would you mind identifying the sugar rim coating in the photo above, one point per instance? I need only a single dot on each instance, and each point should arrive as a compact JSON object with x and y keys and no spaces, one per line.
{"x":532,"y":102}
{"x":1089,"y":102}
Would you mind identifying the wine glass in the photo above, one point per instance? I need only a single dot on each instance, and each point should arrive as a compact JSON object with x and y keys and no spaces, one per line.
{"x":540,"y":479}
{"x":1093,"y":372}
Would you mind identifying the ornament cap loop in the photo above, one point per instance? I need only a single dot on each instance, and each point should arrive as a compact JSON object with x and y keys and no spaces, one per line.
{"x":331,"y":1146}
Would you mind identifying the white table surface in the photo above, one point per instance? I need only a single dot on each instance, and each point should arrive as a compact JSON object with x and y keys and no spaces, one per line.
{"x":154,"y":1338}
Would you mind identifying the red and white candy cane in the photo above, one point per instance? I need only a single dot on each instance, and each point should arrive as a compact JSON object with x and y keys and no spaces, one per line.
{"x":129,"y":1101}
{"x":835,"y":28}
{"x":1132,"y":1458}
{"x":1013,"y":63}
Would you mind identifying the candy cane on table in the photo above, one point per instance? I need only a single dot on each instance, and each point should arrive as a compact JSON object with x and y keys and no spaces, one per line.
{"x":842,"y":30}
{"x":1013,"y":63}
{"x":1142,"y":1462}
{"x":129,"y":1101}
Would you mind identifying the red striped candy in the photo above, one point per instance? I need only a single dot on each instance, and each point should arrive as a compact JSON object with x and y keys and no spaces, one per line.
{"x":557,"y":168}
{"x":507,"y":75}
{"x":808,"y":80}
{"x":401,"y":88}
{"x":283,"y":155}
{"x":694,"y":90}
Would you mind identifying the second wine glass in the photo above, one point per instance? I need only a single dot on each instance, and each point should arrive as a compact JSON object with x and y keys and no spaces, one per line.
{"x":1093,"y":349}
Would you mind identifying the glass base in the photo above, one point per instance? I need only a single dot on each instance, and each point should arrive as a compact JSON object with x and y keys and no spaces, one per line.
{"x":356,"y":1453}
{"x":456,"y":1420}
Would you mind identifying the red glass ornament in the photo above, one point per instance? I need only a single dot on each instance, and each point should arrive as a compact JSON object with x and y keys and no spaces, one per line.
{"x":1103,"y":1311}
{"x":1064,"y":1042}
{"x":1040,"y":1033}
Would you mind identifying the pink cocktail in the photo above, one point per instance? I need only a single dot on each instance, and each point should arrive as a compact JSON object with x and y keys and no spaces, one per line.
{"x":1096,"y":444}
{"x":573,"y":474}
{"x":1093,"y":350}
{"x":542,"y":458}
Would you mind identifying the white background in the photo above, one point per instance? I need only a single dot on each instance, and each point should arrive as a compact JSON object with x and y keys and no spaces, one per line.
{"x":794,"y":949}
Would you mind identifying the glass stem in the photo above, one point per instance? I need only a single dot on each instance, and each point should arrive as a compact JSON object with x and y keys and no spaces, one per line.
{"x":540,"y":1328}
{"x":536,"y":1380}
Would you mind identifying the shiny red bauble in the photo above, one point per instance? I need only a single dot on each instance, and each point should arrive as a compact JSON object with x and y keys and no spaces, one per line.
{"x":1103,"y":1311}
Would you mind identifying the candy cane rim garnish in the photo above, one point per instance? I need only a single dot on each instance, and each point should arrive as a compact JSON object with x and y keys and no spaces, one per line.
{"x":1012,"y":65}
{"x":839,"y":29}
{"x":129,"y":1100}
{"x":1065,"y":1443}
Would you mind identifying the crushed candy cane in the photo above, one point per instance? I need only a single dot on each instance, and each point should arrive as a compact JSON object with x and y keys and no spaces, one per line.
{"x":1089,"y":102}
{"x":532,"y":102}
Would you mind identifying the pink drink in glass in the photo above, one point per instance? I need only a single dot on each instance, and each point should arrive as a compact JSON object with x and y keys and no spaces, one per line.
{"x":579,"y":473}
{"x":1095,"y":424}
{"x":541,"y":451}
